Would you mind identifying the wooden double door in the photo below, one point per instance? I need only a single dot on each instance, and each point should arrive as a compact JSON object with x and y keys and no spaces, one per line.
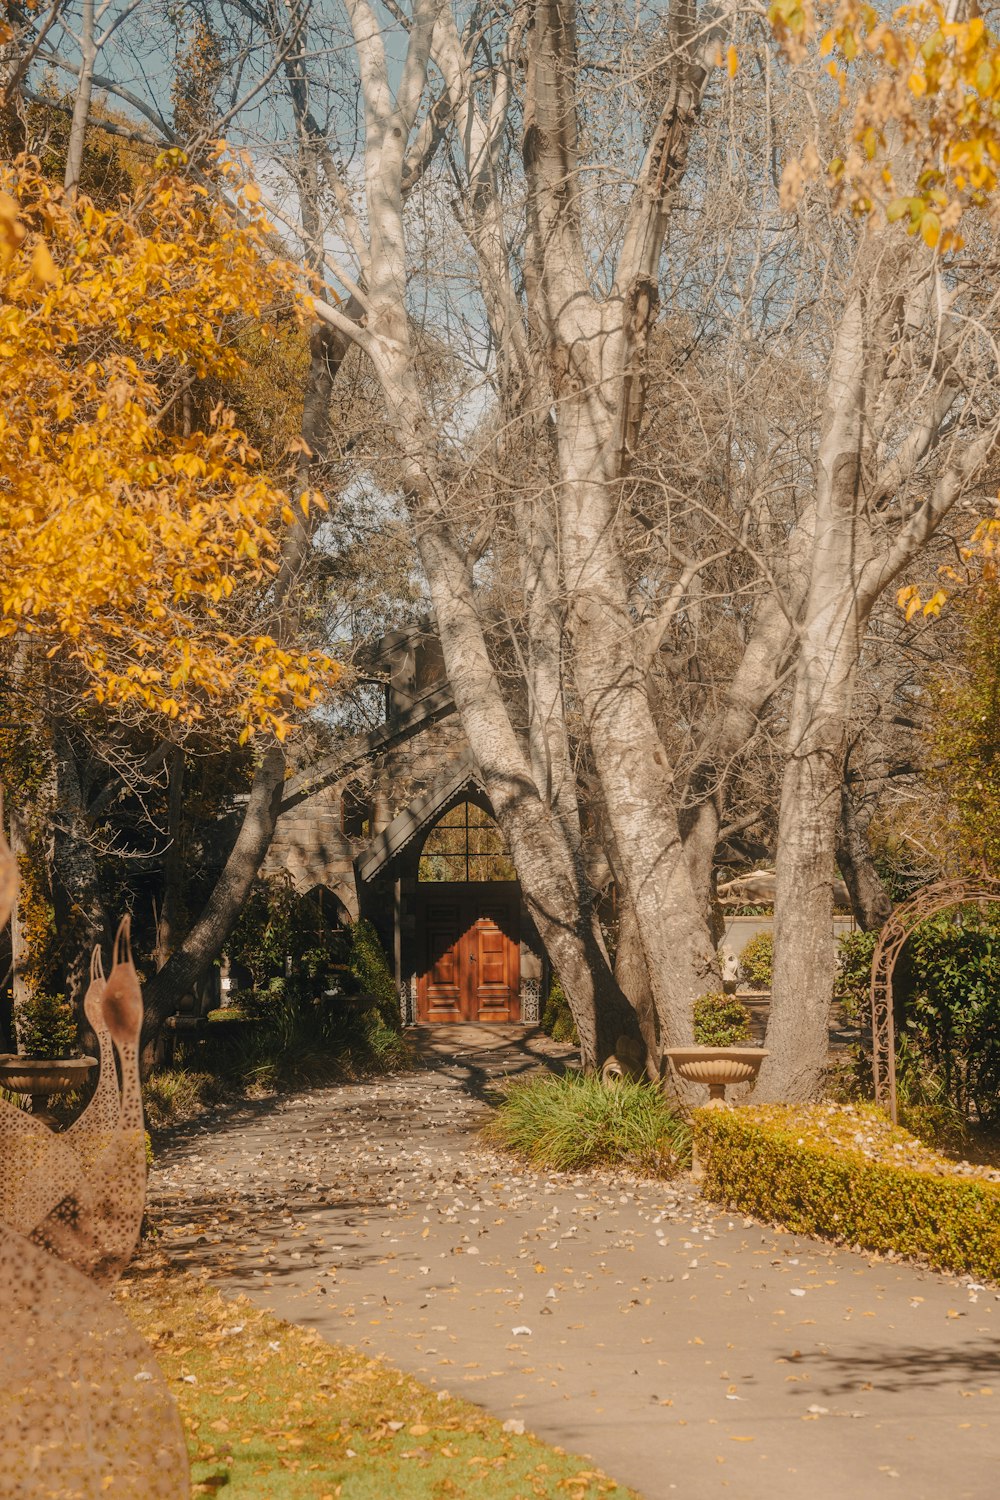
{"x":469,"y":940}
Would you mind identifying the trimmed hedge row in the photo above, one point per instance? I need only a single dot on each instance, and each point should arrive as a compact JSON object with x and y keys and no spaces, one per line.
{"x":773,"y":1163}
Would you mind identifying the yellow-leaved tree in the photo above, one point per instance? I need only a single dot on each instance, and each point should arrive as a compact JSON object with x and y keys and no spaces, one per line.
{"x":136,"y":547}
{"x":924,"y":142}
{"x":147,"y":550}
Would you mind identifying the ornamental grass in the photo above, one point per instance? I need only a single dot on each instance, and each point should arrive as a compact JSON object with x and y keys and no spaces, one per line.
{"x":572,"y":1122}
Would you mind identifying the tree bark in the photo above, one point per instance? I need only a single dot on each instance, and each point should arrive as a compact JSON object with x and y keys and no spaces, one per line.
{"x":549,"y":868}
{"x":81,"y":103}
{"x":80,"y":918}
{"x":169,"y":925}
{"x":632,"y":975}
{"x":595,"y":357}
{"x":539,"y":828}
{"x":631,"y":764}
{"x":804,"y":950}
{"x":870,"y":901}
{"x":829,"y":644}
{"x":855,"y":555}
{"x":205,"y":940}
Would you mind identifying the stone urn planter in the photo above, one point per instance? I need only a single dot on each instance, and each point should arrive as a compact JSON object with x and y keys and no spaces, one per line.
{"x":717,"y":1066}
{"x":41,"y":1077}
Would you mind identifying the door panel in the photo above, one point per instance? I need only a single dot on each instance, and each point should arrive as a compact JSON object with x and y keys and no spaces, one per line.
{"x":442,"y":991}
{"x":493,"y":961}
{"x":470,"y":953}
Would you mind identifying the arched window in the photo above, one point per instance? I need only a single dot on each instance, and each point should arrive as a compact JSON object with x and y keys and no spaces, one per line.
{"x":465,"y":844}
{"x":318,"y":913}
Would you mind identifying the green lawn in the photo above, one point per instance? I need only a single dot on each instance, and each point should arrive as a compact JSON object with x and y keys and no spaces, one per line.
{"x":275,"y":1413}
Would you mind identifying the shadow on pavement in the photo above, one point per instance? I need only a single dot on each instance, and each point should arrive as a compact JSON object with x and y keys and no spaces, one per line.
{"x":480,"y":1058}
{"x":882,"y":1368}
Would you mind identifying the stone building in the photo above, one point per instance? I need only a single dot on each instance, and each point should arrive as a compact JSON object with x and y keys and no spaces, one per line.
{"x":396,"y":826}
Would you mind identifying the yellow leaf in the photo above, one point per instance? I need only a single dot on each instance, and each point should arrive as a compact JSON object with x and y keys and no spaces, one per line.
{"x":43,"y":267}
{"x":119,"y":536}
{"x":930,"y":229}
{"x":732,"y":61}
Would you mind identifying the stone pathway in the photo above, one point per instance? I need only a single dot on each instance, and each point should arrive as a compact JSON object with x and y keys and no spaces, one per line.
{"x":687,"y":1351}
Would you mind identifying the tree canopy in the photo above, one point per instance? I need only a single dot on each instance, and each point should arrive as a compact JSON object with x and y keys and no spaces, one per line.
{"x":129,"y":537}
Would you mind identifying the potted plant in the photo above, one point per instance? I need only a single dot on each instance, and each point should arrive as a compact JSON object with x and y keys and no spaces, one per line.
{"x":722,"y":1052}
{"x":48,"y":1059}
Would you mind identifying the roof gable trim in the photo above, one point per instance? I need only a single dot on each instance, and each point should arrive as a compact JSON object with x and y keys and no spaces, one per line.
{"x":419,"y":816}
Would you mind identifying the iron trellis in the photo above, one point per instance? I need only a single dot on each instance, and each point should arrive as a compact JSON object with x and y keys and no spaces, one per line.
{"x":940,"y":896}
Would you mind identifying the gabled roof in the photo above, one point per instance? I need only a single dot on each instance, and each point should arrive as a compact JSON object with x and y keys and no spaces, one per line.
{"x":461,"y":775}
{"x":434,"y":705}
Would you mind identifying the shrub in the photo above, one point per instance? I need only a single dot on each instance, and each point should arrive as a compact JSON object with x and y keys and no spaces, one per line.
{"x":46,"y":1027}
{"x":301,"y":1037}
{"x":176,"y":1094}
{"x":720,"y":1021}
{"x":557,"y":1018}
{"x":368,"y":964}
{"x":923,"y":1100}
{"x":276,"y":925}
{"x":951,"y":984}
{"x":263,"y":935}
{"x":288,"y":1032}
{"x":757,"y":961}
{"x":947,"y":989}
{"x":575,"y":1121}
{"x":854,"y":971}
{"x":846,"y":1173}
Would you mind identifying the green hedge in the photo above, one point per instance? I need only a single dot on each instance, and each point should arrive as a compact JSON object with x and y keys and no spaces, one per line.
{"x":844,"y":1173}
{"x":720,"y":1021}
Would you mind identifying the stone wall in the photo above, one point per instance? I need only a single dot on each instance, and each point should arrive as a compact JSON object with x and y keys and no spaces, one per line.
{"x":309,"y":843}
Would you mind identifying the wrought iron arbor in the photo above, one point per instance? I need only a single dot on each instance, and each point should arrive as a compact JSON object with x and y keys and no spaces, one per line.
{"x":926,"y":903}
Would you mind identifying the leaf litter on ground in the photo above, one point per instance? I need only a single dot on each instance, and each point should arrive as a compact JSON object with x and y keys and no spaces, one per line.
{"x":274,"y":1412}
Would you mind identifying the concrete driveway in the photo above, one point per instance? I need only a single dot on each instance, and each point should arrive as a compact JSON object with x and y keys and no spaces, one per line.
{"x":686,"y":1350}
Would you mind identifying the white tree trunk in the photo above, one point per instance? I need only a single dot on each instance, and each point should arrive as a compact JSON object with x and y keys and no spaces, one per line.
{"x":547,"y":863}
{"x":829,"y":645}
{"x":594,"y":355}
{"x":636,"y":778}
{"x":81,"y":103}
{"x":804,"y":948}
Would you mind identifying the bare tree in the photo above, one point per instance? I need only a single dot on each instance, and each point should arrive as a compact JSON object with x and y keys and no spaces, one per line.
{"x":908,"y":424}
{"x":717,"y":426}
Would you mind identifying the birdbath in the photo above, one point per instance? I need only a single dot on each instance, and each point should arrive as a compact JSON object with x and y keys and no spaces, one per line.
{"x":717,"y":1066}
{"x":39,"y":1077}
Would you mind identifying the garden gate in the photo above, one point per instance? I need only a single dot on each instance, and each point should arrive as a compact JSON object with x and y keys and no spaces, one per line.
{"x":926,"y":903}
